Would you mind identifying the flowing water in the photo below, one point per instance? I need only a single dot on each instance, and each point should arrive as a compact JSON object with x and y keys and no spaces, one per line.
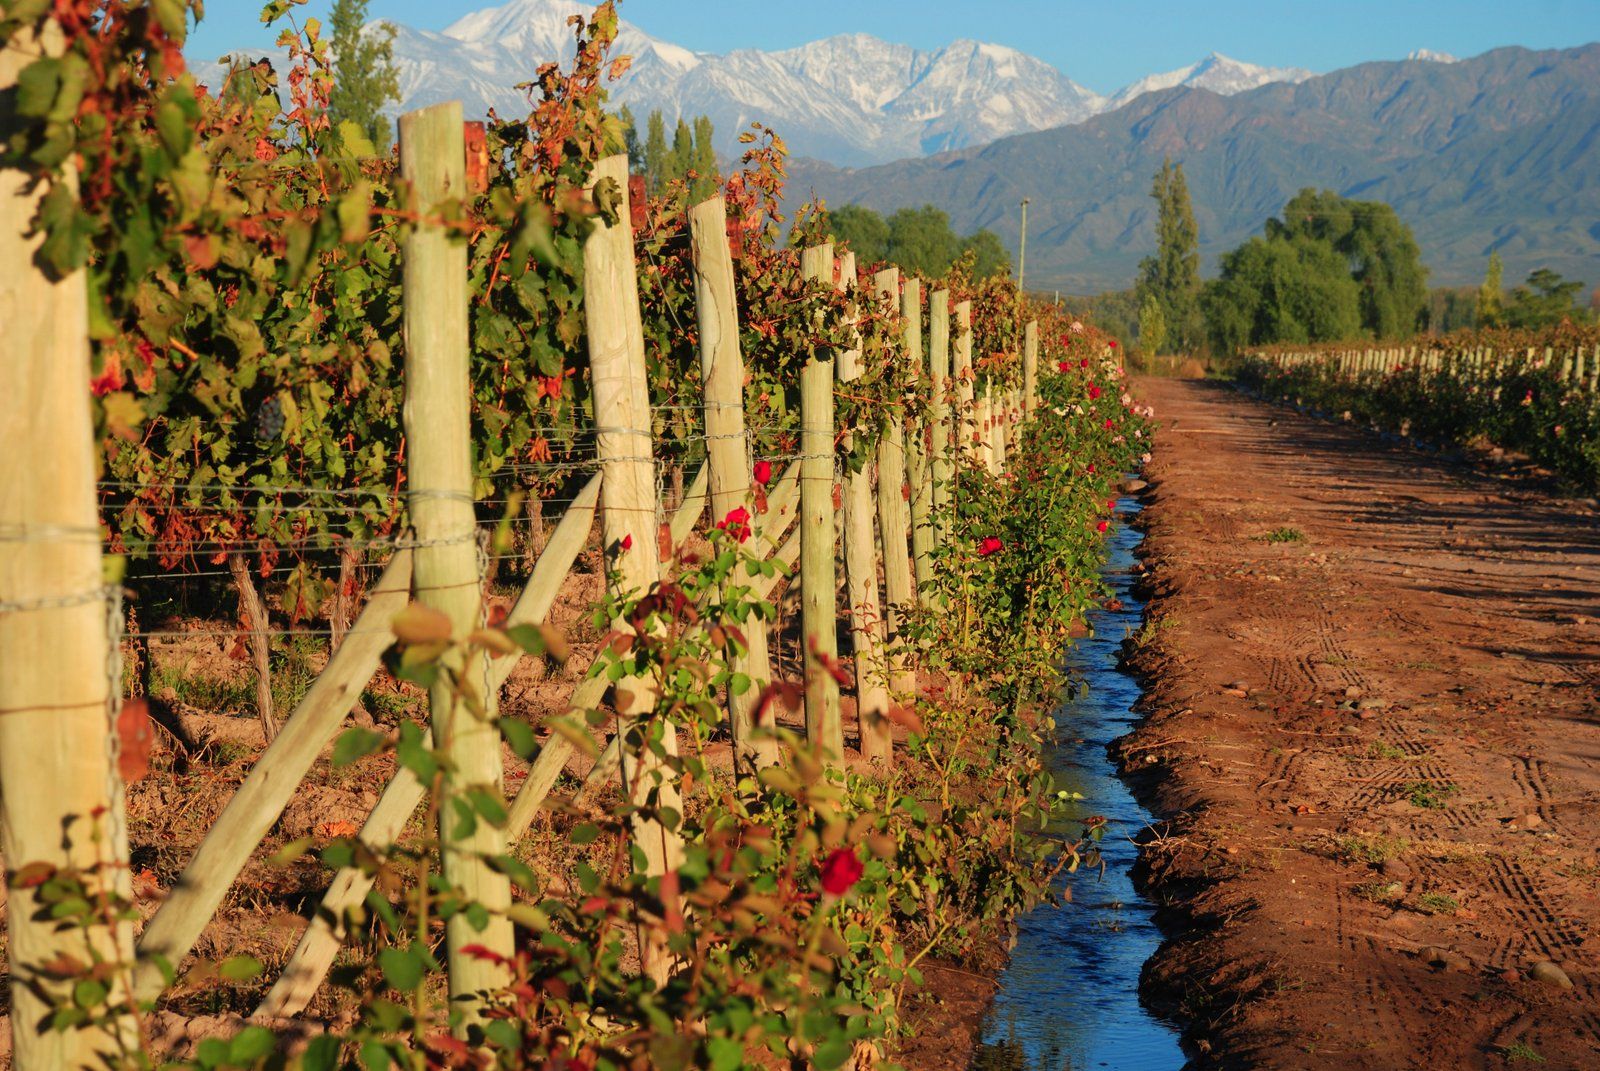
{"x":1069,"y":1001}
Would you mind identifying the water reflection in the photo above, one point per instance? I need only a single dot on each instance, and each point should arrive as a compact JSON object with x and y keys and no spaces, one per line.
{"x":1069,"y":1001}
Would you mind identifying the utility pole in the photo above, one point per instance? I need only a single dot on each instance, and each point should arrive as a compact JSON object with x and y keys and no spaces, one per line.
{"x":1022,"y":255}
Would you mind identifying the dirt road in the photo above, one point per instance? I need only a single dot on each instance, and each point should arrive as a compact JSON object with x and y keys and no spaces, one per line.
{"x":1373,"y":728}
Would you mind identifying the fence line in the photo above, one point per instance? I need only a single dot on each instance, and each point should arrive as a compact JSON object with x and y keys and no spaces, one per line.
{"x":894,"y":524}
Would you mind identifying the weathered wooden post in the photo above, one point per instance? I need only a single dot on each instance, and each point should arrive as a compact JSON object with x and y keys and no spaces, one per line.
{"x":983,"y":429}
{"x":438,"y":425}
{"x":629,"y":520}
{"x":941,"y":470}
{"x":722,"y":378}
{"x":1030,"y":368}
{"x":966,"y":385}
{"x":919,"y":457}
{"x":819,"y":578}
{"x":861,"y":570}
{"x":60,"y":794}
{"x":894,"y":524}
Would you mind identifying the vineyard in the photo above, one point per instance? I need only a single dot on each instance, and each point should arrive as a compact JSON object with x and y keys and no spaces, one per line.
{"x":459,"y":611}
{"x":1536,"y":393}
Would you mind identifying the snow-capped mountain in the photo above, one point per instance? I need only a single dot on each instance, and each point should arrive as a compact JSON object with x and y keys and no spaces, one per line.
{"x":1430,"y":56}
{"x":1216,"y":72}
{"x":852,"y":100}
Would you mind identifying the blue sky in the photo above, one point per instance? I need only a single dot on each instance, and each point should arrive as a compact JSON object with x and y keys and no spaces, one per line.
{"x":1103,"y":44}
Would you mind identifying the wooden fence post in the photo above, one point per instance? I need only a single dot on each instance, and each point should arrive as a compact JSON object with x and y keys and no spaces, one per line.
{"x":727,"y":456}
{"x":60,"y":794}
{"x":438,"y":425}
{"x":983,"y":430}
{"x":819,"y":578}
{"x":1030,"y":368}
{"x":966,"y":385}
{"x":629,"y":524}
{"x":861,"y":570}
{"x":894,"y":523}
{"x":940,"y":471}
{"x":919,"y":458}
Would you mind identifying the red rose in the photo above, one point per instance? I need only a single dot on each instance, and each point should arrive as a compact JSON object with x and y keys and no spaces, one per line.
{"x":1112,"y":343}
{"x":989,"y":545}
{"x":1094,"y":392}
{"x":763,"y":472}
{"x":1084,"y":363}
{"x":1102,"y":526}
{"x":736,"y":523}
{"x":840,"y":871}
{"x":1111,"y":504}
{"x":1063,"y":366}
{"x":1090,"y":470}
{"x":1108,"y":423}
{"x":627,"y":542}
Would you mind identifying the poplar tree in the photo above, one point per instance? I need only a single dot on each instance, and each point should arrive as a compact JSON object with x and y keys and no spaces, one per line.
{"x":1152,"y":327}
{"x":1172,"y":276}
{"x":704,"y":160}
{"x":630,"y":140}
{"x":1490,"y":299}
{"x":655,"y":151}
{"x":364,"y":75}
{"x":682,"y":154}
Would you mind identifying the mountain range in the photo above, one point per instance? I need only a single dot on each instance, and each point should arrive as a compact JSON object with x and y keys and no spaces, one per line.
{"x":852,"y":99}
{"x":1496,"y":152}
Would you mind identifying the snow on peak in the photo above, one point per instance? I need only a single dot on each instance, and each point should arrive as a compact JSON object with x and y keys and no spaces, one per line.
{"x":852,"y":99}
{"x":1216,"y":72}
{"x":1428,"y":55}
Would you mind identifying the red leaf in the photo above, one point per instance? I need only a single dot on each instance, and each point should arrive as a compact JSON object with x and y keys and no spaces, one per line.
{"x":135,"y":735}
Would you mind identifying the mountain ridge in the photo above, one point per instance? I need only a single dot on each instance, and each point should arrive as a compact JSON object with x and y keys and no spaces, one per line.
{"x":853,"y":99}
{"x":1496,"y":152}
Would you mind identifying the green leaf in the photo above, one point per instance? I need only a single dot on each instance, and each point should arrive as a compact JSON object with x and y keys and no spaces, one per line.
{"x":586,"y":833}
{"x":251,"y":1044}
{"x":375,"y":1056}
{"x":355,"y":744}
{"x":239,"y":968}
{"x":177,"y":134}
{"x":520,"y":736}
{"x":402,"y":968}
{"x":726,"y":1054}
{"x":832,"y":1053}
{"x":487,"y":804}
{"x":171,"y":14}
{"x":322,"y":1054}
{"x":213,"y":1052}
{"x":89,"y":993}
{"x":37,"y":86}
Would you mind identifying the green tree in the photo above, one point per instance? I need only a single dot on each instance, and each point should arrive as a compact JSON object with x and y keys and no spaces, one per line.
{"x":703,"y":160}
{"x":681,"y":157}
{"x":630,"y":140}
{"x":916,"y":239}
{"x":1452,"y":309}
{"x":863,"y":230}
{"x":920,"y":239}
{"x":1381,"y":252}
{"x":991,"y":256}
{"x":1172,"y":276}
{"x":1282,"y":288}
{"x":365,"y":77}
{"x":1152,"y":326}
{"x":1544,"y":301}
{"x":1491,"y":297}
{"x":655,"y":152}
